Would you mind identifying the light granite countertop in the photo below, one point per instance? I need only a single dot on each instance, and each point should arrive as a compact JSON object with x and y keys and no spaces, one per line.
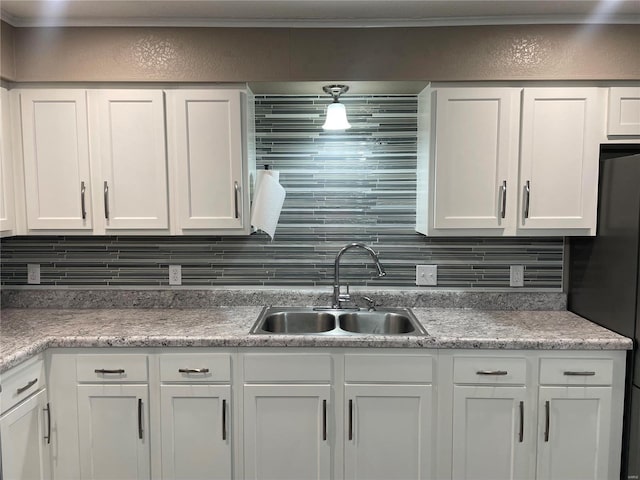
{"x":25,"y":332}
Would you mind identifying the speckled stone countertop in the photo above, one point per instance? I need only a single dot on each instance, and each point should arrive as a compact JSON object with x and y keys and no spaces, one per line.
{"x":25,"y":332}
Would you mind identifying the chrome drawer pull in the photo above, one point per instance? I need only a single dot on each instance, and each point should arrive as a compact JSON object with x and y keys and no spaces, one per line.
{"x":521,"y":436}
{"x":118,"y":371}
{"x":527,"y":198}
{"x":106,"y":200}
{"x":546,"y":421}
{"x":82,"y":203}
{"x":236,"y":189}
{"x":579,"y":374}
{"x":492,"y":372}
{"x":503,"y":208}
{"x":193,"y":370}
{"x":48,"y":435}
{"x":224,"y":419}
{"x":324,"y":420}
{"x":27,"y":386}
{"x":140,"y":418}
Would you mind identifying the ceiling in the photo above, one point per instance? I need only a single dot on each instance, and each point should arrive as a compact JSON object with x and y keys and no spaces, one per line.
{"x":314,"y":13}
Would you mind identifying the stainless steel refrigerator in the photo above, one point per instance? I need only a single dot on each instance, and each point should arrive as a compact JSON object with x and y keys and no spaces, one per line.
{"x":604,"y":276}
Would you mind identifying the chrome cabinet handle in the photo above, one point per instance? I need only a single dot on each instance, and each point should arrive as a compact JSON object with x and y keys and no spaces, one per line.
{"x":27,"y":386}
{"x":236,"y":192}
{"x":546,"y":421}
{"x":82,"y":201}
{"x":224,"y":419}
{"x":579,"y":374}
{"x":350,"y":419}
{"x":140,"y":418}
{"x":521,"y":436}
{"x":527,"y":198}
{"x":117,"y":371}
{"x":492,"y":372}
{"x":193,"y":370}
{"x":324,"y":420}
{"x":503,"y":208}
{"x":106,"y":200}
{"x":48,"y":435}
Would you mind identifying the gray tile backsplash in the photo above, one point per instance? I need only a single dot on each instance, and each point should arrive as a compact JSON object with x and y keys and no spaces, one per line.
{"x":357,"y":185}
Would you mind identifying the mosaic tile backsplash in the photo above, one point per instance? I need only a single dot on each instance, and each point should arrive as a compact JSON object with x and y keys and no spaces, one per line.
{"x":357,"y":185}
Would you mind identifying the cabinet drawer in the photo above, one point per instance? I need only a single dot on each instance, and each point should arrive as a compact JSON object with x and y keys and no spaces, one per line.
{"x":20,"y":382}
{"x":490,"y":370}
{"x":195,"y":368}
{"x":111,"y":368}
{"x":260,"y":368}
{"x":576,"y":371}
{"x":388,"y":368}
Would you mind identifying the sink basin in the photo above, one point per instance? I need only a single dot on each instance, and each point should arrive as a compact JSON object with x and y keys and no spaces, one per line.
{"x":328,"y":321}
{"x":295,"y":322}
{"x":382,"y":323}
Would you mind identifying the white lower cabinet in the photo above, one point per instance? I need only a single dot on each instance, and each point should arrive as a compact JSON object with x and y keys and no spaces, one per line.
{"x":578,"y":424}
{"x":388,"y":432}
{"x":25,"y":434}
{"x":113,"y":425}
{"x":195,"y":416}
{"x":315,"y":413}
{"x":488,"y":433}
{"x":195,"y":432}
{"x":575,"y":431}
{"x":286,"y":432}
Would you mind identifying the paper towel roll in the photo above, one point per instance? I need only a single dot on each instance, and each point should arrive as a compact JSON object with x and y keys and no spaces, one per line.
{"x":267,"y":201}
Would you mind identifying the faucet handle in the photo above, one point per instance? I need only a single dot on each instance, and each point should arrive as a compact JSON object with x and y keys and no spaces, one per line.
{"x":371,"y":303}
{"x":345,"y":297}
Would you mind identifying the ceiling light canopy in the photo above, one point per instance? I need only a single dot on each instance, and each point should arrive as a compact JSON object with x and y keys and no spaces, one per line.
{"x":336,"y":112}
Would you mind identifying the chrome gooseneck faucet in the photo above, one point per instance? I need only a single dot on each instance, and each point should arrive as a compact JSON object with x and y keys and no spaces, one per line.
{"x":338,"y":297}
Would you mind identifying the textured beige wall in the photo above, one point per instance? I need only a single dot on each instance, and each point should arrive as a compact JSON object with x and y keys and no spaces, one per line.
{"x":540,"y":52}
{"x":7,"y":64}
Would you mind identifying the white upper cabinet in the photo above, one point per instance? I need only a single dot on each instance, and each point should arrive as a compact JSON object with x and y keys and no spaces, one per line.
{"x":206,"y":138}
{"x":473,"y":180}
{"x":624,"y":111}
{"x":476,"y":136}
{"x":130,"y":144}
{"x":56,"y":159}
{"x":7,"y":212}
{"x":559,"y":158}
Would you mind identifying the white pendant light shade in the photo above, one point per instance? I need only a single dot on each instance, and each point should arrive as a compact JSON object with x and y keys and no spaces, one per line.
{"x":336,"y":117}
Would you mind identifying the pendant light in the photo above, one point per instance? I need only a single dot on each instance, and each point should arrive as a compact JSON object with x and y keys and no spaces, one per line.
{"x":336,"y":113}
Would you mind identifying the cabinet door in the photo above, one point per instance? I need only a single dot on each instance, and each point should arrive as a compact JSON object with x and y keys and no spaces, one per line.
{"x":195,"y":431}
{"x":476,"y":139}
{"x":7,"y":212}
{"x":489,"y":433}
{"x":624,"y":111}
{"x":113,"y":424}
{"x":56,"y":159}
{"x":559,"y":158}
{"x":205,"y":135}
{"x":388,"y":432}
{"x":133,"y":158}
{"x":573,"y":433}
{"x":25,"y":446}
{"x":284,"y":432}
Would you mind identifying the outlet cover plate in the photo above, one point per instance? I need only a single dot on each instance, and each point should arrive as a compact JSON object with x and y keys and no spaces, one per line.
{"x":426,"y":275}
{"x":516,"y":276}
{"x":33,"y":273}
{"x":175,"y":275}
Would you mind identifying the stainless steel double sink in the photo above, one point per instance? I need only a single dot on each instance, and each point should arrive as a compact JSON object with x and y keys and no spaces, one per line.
{"x":329,"y":321}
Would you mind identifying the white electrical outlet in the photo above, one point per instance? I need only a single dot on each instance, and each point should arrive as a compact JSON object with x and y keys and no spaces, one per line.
{"x":175,"y":275}
{"x":33,"y":273}
{"x":426,"y":275}
{"x":516,"y":276}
